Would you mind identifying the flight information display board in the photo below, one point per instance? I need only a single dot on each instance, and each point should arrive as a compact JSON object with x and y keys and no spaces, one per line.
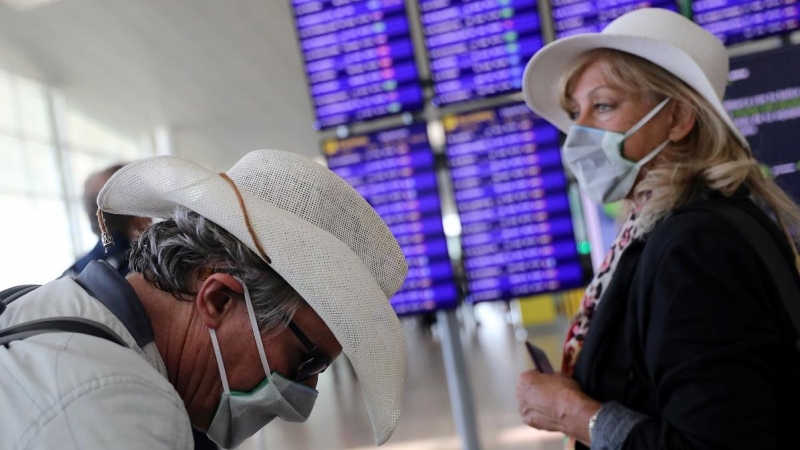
{"x":394,"y":171}
{"x":359,"y":59}
{"x":740,"y":20}
{"x":763,"y":98}
{"x":581,"y":16}
{"x":511,"y":192}
{"x":478,"y":48}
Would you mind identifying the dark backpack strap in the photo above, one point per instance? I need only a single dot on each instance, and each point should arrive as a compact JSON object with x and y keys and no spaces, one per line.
{"x":59,"y":325}
{"x":9,"y":295}
{"x":771,"y":256}
{"x":51,"y":325}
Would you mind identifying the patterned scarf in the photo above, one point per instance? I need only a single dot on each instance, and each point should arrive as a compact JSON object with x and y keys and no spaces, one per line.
{"x":591,"y":299}
{"x":594,"y":294}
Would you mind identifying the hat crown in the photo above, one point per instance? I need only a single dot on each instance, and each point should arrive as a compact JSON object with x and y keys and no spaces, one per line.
{"x":318,"y":196}
{"x":663,"y":37}
{"x":671,"y":28}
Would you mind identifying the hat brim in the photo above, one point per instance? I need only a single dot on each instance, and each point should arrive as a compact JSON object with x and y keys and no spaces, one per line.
{"x":321,"y":268}
{"x":540,"y":87}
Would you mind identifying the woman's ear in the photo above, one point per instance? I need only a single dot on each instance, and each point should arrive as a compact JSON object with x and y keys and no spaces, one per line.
{"x":682,"y":120}
{"x":216,"y":298}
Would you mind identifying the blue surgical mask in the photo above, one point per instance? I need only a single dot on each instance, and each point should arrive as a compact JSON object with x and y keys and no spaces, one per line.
{"x":595,"y":158}
{"x":242,"y":414}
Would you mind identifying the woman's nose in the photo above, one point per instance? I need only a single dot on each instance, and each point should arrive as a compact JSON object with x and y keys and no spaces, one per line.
{"x":582,"y":118}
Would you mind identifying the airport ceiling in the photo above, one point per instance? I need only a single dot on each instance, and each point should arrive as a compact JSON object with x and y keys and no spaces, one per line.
{"x":225,"y":76}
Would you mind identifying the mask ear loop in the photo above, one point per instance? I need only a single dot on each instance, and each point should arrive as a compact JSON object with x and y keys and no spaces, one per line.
{"x":647,"y":118}
{"x":652,"y":154}
{"x":642,"y":123}
{"x":223,"y":375}
{"x":251,"y":313}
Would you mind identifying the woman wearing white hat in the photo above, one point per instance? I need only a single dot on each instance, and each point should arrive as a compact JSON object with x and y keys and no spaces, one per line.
{"x":682,"y":340}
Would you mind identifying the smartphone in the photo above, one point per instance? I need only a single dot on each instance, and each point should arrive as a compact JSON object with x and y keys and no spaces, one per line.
{"x":539,"y":358}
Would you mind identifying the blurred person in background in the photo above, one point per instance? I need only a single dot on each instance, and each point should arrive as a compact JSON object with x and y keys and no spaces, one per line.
{"x":682,"y":340}
{"x":122,"y":228}
{"x":251,"y":285}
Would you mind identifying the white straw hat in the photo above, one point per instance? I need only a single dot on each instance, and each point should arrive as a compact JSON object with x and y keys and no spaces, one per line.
{"x":321,"y":236}
{"x":660,"y":36}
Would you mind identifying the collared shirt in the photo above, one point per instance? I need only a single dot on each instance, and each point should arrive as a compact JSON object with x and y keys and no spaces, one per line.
{"x":116,"y":256}
{"x":102,"y":281}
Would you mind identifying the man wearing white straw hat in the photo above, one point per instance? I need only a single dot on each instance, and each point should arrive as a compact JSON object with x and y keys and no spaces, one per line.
{"x":253,"y":282}
{"x":684,"y":338}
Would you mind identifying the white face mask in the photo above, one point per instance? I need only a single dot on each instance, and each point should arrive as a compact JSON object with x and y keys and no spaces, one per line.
{"x":242,"y":414}
{"x":595,"y":157}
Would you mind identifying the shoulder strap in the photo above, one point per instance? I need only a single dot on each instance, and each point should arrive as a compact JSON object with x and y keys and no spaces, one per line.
{"x":59,"y":325}
{"x":771,"y":256}
{"x":9,"y":295}
{"x":52,"y":325}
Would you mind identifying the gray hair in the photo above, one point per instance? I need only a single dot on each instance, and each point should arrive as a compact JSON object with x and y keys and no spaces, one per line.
{"x":170,"y":255}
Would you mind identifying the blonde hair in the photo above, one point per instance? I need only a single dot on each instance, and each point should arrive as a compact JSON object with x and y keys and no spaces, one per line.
{"x":710,"y":155}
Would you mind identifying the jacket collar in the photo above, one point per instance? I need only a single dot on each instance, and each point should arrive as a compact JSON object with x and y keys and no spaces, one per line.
{"x":104,"y":283}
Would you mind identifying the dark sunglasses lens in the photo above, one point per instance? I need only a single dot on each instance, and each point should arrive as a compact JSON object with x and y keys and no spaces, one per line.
{"x":308,"y":369}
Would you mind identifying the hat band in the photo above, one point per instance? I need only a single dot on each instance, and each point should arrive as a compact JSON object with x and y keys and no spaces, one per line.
{"x":253,"y":235}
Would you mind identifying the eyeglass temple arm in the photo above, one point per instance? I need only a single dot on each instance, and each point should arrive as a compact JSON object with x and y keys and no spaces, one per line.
{"x":301,"y":336}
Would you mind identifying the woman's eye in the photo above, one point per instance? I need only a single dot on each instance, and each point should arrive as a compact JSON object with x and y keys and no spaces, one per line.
{"x":602,"y":107}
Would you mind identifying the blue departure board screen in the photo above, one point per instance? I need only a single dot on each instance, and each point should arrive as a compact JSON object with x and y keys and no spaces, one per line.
{"x":478,"y":48}
{"x":763,"y":98}
{"x":739,"y":20}
{"x":394,"y":171}
{"x":359,"y":59}
{"x":511,"y":192}
{"x":580,"y":16}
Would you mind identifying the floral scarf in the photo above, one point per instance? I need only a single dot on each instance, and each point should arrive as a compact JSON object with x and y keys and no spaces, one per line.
{"x":591,"y":299}
{"x":594,"y":294}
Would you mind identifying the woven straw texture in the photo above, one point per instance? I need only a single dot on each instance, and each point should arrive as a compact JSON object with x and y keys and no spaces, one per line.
{"x":321,"y":236}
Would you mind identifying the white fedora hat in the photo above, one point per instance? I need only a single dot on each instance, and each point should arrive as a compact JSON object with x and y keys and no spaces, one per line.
{"x":660,"y":36}
{"x":321,"y":236}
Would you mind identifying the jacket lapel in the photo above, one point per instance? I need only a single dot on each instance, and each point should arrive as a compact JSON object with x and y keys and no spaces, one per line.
{"x":608,"y":315}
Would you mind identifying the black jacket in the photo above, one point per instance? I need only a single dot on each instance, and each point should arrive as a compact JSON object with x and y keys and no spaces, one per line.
{"x":691,"y":332}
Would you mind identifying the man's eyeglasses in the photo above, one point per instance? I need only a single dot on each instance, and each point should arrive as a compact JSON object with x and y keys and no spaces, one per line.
{"x":316,"y":364}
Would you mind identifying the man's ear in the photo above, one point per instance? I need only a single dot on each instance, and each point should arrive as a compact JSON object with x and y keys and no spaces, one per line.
{"x":216,"y":298}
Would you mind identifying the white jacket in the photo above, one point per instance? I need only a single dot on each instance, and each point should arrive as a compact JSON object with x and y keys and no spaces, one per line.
{"x":70,"y":391}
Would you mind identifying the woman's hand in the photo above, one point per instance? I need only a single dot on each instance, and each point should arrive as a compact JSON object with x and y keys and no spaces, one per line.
{"x":555,"y":403}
